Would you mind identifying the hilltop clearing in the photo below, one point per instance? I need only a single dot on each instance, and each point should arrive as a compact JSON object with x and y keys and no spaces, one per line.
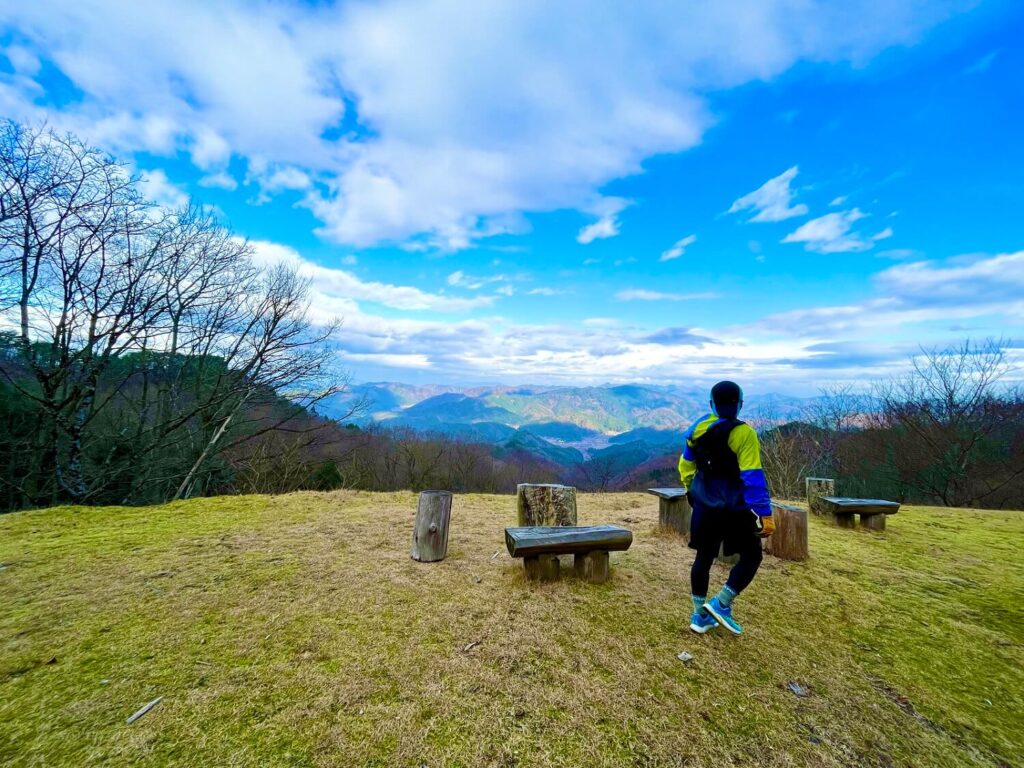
{"x":295,"y":630}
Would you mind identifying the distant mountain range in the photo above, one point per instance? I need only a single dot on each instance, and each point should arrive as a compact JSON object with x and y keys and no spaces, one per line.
{"x":564,"y":425}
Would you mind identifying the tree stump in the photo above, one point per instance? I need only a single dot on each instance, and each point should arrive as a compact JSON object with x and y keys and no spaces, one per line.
{"x":542,"y":567}
{"x":430,"y":531}
{"x":545,"y":505}
{"x":789,"y":542}
{"x":816,"y":488}
{"x":593,"y":566}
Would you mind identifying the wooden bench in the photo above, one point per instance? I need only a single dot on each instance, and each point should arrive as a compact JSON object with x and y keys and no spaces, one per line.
{"x":872,"y":511}
{"x":540,"y":547}
{"x":673,"y":509}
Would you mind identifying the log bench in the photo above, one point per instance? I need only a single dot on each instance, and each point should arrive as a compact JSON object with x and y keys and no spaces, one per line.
{"x":540,"y":546}
{"x":673,"y":509}
{"x":872,"y":511}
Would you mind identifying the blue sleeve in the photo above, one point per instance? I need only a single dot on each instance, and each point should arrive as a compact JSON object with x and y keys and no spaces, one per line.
{"x":755,"y":491}
{"x":744,"y":443}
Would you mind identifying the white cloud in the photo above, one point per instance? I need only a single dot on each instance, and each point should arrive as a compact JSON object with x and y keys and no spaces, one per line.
{"x":989,"y":281}
{"x":469,"y":114}
{"x":335,"y":289}
{"x":679,"y":248}
{"x":208,"y":148}
{"x":156,"y":187}
{"x":837,"y":201}
{"x":772,"y":200}
{"x":640,"y":294}
{"x":913,"y":302}
{"x":349,"y":261}
{"x":287,"y":177}
{"x":414,"y":361}
{"x":883,"y":235}
{"x":544,"y":291}
{"x":608,"y":208}
{"x":603,"y":228}
{"x":831,"y":233}
{"x":982,"y":64}
{"x":461,"y":280}
{"x":221,"y":180}
{"x":917,"y":294}
{"x":23,"y":61}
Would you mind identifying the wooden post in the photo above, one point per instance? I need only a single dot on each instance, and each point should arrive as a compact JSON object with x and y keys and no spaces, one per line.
{"x":593,"y":566}
{"x":430,"y":531}
{"x":545,"y":505}
{"x":816,"y":488}
{"x":789,"y":542}
{"x":542,"y":567}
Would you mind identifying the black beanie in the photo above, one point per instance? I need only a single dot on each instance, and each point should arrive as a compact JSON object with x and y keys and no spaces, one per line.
{"x":727,"y":399}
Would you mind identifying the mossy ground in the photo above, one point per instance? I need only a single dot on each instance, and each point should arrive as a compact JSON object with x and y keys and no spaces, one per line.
{"x":295,"y":630}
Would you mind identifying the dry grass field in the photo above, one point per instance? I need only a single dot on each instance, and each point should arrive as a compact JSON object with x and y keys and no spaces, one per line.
{"x":296,"y":631}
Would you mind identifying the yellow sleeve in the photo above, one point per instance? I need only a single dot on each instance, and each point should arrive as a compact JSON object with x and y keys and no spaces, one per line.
{"x":687,"y":469}
{"x":744,"y":443}
{"x":687,"y":463}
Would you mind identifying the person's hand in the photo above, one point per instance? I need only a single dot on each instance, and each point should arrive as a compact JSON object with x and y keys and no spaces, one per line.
{"x":765,"y":526}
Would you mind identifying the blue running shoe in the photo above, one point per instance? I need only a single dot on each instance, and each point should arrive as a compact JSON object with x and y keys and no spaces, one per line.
{"x":702,"y":622}
{"x":723,"y":615}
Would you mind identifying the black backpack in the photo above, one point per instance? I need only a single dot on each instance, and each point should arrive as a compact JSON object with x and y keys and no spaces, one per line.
{"x":717,"y":484}
{"x":713,"y":456}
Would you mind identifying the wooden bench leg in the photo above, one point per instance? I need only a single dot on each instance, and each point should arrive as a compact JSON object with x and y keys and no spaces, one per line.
{"x":873,"y":522}
{"x":541,"y":568}
{"x":674,"y":515}
{"x":593,"y":566}
{"x":845,"y":521}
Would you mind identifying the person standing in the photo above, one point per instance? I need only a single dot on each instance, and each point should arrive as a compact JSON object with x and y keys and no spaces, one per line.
{"x":721,"y":469}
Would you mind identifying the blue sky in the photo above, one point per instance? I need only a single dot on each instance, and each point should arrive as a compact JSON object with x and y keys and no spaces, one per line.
{"x":790,"y":194}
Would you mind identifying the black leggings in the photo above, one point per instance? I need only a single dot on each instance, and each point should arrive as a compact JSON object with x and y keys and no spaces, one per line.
{"x":739,"y":577}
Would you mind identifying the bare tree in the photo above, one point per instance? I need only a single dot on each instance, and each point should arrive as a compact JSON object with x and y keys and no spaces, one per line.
{"x":789,"y":451}
{"x":838,"y":411}
{"x":944,"y":415}
{"x":147,"y":340}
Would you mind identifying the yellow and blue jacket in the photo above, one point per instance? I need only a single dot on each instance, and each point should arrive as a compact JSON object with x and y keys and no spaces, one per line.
{"x":744,"y":443}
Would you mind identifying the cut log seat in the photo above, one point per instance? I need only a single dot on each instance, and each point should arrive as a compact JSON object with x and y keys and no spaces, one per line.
{"x":673,"y":509}
{"x":789,"y":542}
{"x":872,"y":511}
{"x":540,"y":546}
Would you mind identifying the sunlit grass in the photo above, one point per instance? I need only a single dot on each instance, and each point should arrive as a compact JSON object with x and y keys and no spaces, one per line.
{"x":295,"y":630}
